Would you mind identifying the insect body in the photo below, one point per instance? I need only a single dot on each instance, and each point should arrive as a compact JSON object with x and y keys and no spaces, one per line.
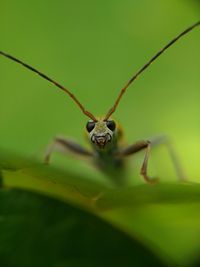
{"x":105,"y":135}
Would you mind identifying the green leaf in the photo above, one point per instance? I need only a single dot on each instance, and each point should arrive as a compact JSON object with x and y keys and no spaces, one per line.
{"x":164,"y":217}
{"x":18,"y":172}
{"x":40,"y":231}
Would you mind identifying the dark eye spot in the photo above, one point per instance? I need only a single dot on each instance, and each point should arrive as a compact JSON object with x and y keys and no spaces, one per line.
{"x":111,"y":125}
{"x":90,"y":126}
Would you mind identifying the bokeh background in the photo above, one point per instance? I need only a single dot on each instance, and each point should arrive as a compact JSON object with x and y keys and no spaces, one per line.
{"x":93,"y":48}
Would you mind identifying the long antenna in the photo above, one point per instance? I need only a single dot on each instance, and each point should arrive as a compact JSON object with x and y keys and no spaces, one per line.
{"x":112,"y":110}
{"x":87,"y":113}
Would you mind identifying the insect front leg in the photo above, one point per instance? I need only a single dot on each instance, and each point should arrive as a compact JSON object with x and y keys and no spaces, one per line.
{"x":66,"y":145}
{"x":136,"y":147}
{"x":140,"y":145}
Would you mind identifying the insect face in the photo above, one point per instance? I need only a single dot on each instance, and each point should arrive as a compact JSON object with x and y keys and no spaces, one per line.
{"x":101,"y":132}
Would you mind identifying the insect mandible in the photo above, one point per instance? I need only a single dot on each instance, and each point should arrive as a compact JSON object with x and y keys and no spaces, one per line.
{"x":105,"y":134}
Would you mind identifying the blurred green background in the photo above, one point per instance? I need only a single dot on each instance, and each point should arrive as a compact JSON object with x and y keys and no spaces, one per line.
{"x":93,"y":48}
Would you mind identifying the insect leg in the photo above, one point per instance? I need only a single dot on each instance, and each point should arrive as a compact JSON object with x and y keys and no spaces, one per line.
{"x":66,"y":145}
{"x":136,"y":147}
{"x":165,"y":140}
{"x":161,"y":140}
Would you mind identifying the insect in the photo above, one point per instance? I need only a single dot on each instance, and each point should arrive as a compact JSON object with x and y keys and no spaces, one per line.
{"x":105,"y":134}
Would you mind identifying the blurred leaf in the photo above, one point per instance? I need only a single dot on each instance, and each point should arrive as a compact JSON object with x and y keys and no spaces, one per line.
{"x":159,"y":215}
{"x":39,"y":231}
{"x":29,"y":174}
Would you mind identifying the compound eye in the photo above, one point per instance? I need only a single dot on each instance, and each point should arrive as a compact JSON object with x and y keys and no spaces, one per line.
{"x":111,"y":125}
{"x":90,"y":126}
